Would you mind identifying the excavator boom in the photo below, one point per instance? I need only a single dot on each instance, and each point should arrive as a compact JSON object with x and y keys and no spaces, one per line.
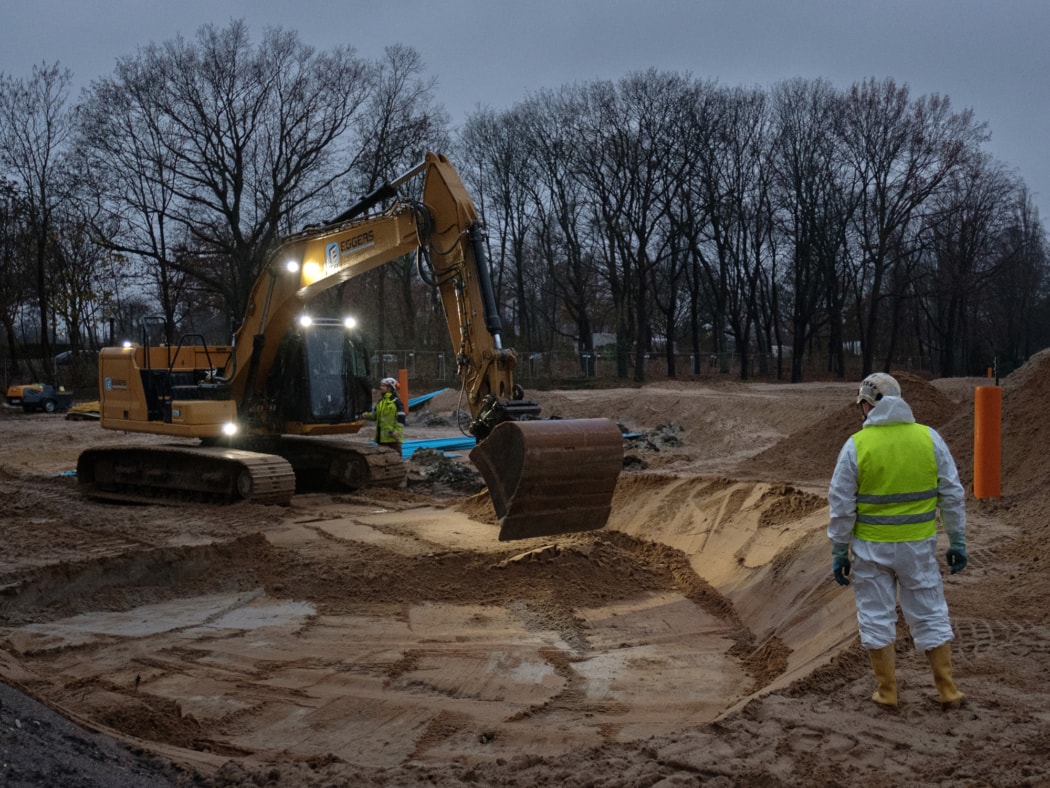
{"x":544,"y":477}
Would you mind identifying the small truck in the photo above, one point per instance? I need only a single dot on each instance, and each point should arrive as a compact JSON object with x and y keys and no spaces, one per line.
{"x":34,"y":397}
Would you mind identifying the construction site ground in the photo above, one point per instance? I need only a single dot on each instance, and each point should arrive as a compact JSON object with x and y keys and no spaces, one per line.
{"x":386,"y":637}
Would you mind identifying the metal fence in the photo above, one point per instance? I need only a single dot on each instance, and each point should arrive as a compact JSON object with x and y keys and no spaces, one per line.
{"x":544,"y":370}
{"x":437,"y":369}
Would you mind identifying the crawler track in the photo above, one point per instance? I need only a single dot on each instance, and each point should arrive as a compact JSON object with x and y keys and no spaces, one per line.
{"x":335,"y":463}
{"x":224,"y":475}
{"x":184,"y":473}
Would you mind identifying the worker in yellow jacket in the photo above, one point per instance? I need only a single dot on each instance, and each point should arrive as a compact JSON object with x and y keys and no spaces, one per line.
{"x":891,"y":479}
{"x":389,"y":416}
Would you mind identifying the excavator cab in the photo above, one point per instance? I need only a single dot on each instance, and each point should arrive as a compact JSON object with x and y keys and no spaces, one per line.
{"x":321,"y":375}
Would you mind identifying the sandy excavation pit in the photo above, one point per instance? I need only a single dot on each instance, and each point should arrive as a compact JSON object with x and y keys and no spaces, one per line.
{"x":388,"y":638}
{"x":376,"y":633}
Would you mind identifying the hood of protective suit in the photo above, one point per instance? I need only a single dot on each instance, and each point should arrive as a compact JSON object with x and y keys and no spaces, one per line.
{"x":890,"y":410}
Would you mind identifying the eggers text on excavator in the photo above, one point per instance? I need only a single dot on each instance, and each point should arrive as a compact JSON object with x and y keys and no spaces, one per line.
{"x":270,"y":408}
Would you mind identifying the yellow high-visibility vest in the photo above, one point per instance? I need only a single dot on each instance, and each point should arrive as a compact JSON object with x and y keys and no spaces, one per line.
{"x":897,"y":483}
{"x":388,"y":428}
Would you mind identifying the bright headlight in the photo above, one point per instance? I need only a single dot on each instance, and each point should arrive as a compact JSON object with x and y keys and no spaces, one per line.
{"x":311,"y":272}
{"x":229,"y":428}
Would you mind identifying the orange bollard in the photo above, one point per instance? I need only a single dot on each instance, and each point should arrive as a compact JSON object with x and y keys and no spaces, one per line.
{"x":987,"y":441}
{"x":402,"y":381}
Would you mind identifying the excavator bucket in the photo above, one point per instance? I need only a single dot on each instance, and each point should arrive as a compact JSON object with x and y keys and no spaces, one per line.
{"x":550,"y":477}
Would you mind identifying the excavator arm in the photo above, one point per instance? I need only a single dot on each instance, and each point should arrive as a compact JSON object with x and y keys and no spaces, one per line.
{"x":445,"y":232}
{"x":544,"y":476}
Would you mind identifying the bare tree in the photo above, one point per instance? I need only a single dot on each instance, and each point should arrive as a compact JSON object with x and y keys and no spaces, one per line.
{"x":672,"y":165}
{"x":1013,"y":313}
{"x":497,"y":166}
{"x":732,"y":180}
{"x":244,"y":142}
{"x":14,"y":291}
{"x":75,"y":280}
{"x":810,"y":207}
{"x":35,"y":126}
{"x":629,"y":130}
{"x":692,"y":215}
{"x":965,"y":230}
{"x":128,"y":177}
{"x":399,"y":121}
{"x":902,"y":152}
{"x":564,"y":235}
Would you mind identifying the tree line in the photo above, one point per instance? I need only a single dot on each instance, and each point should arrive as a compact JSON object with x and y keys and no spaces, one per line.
{"x":787,"y":226}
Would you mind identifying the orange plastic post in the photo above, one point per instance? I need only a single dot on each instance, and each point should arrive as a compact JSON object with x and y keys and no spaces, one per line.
{"x":402,"y":381}
{"x":987,"y":441}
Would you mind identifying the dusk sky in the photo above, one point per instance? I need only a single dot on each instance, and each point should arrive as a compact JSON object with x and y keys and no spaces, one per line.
{"x":991,"y":57}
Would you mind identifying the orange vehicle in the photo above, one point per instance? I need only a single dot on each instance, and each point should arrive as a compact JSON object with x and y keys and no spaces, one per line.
{"x":270,"y":409}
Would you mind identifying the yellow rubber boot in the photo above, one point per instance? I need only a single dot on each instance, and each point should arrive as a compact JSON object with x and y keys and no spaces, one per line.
{"x":941,"y":661}
{"x":882,"y":662}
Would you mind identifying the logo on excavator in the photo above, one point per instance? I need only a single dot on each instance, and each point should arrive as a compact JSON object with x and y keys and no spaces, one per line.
{"x":331,"y":257}
{"x":367,"y":238}
{"x":335,"y":252}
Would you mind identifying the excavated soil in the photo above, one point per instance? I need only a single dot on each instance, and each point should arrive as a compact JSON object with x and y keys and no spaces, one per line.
{"x":388,"y":638}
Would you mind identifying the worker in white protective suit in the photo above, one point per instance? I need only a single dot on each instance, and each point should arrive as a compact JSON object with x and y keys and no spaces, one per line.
{"x":890,"y":480}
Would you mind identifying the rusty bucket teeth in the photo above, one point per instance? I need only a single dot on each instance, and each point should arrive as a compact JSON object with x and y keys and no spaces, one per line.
{"x":550,"y":477}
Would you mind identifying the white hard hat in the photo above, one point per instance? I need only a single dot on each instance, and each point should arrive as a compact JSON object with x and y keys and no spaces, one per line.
{"x":389,"y":382}
{"x":876,"y":386}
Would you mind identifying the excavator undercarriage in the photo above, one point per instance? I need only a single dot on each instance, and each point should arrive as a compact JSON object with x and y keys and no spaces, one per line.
{"x":269,"y":473}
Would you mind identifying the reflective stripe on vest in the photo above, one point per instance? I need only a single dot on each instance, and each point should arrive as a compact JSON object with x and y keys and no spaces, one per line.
{"x":897,"y":476}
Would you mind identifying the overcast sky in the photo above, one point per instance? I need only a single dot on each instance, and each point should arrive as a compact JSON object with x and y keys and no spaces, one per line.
{"x":992,"y":56}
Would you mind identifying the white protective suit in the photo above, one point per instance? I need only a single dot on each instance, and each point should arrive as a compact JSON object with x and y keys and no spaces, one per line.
{"x":879,"y":567}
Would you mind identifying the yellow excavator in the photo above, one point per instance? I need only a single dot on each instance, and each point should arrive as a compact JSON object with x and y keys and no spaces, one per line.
{"x":271,"y":411}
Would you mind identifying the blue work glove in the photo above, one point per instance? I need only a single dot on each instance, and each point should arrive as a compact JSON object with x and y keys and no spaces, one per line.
{"x":840,"y":565}
{"x":956,"y":555}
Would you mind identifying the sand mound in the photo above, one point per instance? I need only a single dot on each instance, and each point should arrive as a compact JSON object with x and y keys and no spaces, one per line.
{"x":810,"y":453}
{"x":1025,"y":469}
{"x":1025,"y":461}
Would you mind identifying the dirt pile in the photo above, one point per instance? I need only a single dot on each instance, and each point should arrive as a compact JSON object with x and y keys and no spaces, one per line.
{"x":1025,"y":431}
{"x":810,"y":452}
{"x":444,"y":473}
{"x":1024,"y":473}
